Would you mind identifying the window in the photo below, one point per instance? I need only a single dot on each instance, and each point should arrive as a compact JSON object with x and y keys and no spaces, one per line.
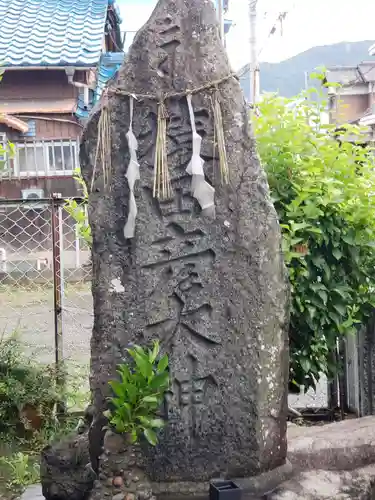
{"x":62,"y":157}
{"x":46,"y":158}
{"x":31,"y":159}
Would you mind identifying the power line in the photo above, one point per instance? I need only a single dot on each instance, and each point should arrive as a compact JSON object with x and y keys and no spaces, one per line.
{"x":278,"y":22}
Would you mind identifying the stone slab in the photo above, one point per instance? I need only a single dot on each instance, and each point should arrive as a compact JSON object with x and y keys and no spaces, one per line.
{"x":344,"y":445}
{"x":252,"y":487}
{"x":327,"y":485}
{"x":33,"y":492}
{"x":213,"y":289}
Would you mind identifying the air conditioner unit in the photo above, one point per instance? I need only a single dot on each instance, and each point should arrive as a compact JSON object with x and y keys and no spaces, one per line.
{"x":33,"y":194}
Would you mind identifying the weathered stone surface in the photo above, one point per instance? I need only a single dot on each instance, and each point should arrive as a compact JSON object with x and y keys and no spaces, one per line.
{"x":328,"y":485}
{"x":212,"y":290}
{"x":121,"y":464}
{"x":33,"y":492}
{"x":343,"y":445}
{"x":65,"y":469}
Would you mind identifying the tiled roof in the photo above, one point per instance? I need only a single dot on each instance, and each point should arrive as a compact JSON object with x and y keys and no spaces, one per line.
{"x":110,"y":62}
{"x":51,"y":32}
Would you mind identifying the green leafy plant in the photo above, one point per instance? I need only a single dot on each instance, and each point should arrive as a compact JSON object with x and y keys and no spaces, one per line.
{"x":78,"y":210}
{"x":22,"y":470}
{"x":139,"y":393}
{"x":322,"y":182}
{"x":26,"y":388}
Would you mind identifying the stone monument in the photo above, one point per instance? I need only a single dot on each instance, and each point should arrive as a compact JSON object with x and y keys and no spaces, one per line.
{"x":186,"y":249}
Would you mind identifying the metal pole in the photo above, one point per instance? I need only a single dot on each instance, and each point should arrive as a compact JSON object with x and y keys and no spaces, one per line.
{"x":343,"y":379}
{"x":77,"y":247}
{"x":56,"y":257}
{"x":61,"y":247}
{"x":253,"y":66}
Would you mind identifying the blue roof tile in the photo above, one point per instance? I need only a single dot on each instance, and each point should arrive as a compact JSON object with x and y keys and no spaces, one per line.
{"x":51,"y":32}
{"x":109,"y":64}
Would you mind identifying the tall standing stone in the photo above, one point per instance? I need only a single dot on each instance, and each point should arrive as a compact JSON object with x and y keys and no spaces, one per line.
{"x":213,"y":290}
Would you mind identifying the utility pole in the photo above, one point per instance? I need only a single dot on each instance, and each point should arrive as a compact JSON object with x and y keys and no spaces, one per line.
{"x":254,"y":65}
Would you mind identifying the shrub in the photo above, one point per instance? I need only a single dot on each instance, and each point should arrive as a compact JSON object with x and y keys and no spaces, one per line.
{"x":22,"y":470}
{"x":27,"y":390}
{"x":138,"y":394}
{"x":323,"y":185}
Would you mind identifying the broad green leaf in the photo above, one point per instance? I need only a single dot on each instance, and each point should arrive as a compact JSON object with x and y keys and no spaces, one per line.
{"x":117,"y":388}
{"x":157,"y":423}
{"x":160,"y":381}
{"x":306,"y":365}
{"x":163,"y":363}
{"x":143,"y":364}
{"x":151,"y":436}
{"x":155,"y":351}
{"x":133,"y":436}
{"x":124,"y":372}
{"x":323,"y":295}
{"x":341,"y":309}
{"x":150,"y":399}
{"x":132,"y":391}
{"x":337,"y":253}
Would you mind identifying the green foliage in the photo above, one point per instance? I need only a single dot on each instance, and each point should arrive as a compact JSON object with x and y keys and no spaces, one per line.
{"x":23,"y":383}
{"x":77,"y":211}
{"x":21,"y":471}
{"x":323,"y":188}
{"x":139,"y":393}
{"x":28,"y":394}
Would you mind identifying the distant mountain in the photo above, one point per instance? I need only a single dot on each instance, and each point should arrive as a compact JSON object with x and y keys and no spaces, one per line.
{"x":288,"y":77}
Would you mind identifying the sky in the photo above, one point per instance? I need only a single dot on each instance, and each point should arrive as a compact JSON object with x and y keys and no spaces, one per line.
{"x":307,"y":24}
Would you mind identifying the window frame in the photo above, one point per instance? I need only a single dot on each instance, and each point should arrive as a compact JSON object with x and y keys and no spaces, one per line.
{"x":48,"y":169}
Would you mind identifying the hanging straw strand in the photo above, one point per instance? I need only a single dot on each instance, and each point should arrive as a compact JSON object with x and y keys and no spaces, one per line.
{"x":162,"y":185}
{"x":103,"y":147}
{"x":219,"y":134}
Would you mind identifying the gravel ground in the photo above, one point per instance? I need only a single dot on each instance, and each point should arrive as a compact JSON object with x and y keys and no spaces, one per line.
{"x":31,"y":313}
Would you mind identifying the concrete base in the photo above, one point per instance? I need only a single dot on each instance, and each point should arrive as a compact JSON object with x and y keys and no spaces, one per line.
{"x":335,"y":461}
{"x":358,"y":484}
{"x":253,"y":487}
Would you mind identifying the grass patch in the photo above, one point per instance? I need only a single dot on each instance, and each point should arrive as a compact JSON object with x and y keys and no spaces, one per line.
{"x":29,"y":397}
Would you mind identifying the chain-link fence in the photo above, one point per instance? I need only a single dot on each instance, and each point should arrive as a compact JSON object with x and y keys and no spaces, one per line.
{"x":45,"y":287}
{"x":45,"y":279}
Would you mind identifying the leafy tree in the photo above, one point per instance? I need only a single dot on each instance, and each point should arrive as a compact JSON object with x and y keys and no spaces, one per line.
{"x":323,"y":190}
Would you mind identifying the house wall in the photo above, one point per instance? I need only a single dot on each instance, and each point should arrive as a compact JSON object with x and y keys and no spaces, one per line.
{"x":47,"y":127}
{"x":66,"y":186}
{"x":55,"y":129}
{"x":40,"y":86}
{"x":37,"y":85}
{"x":346,"y":108}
